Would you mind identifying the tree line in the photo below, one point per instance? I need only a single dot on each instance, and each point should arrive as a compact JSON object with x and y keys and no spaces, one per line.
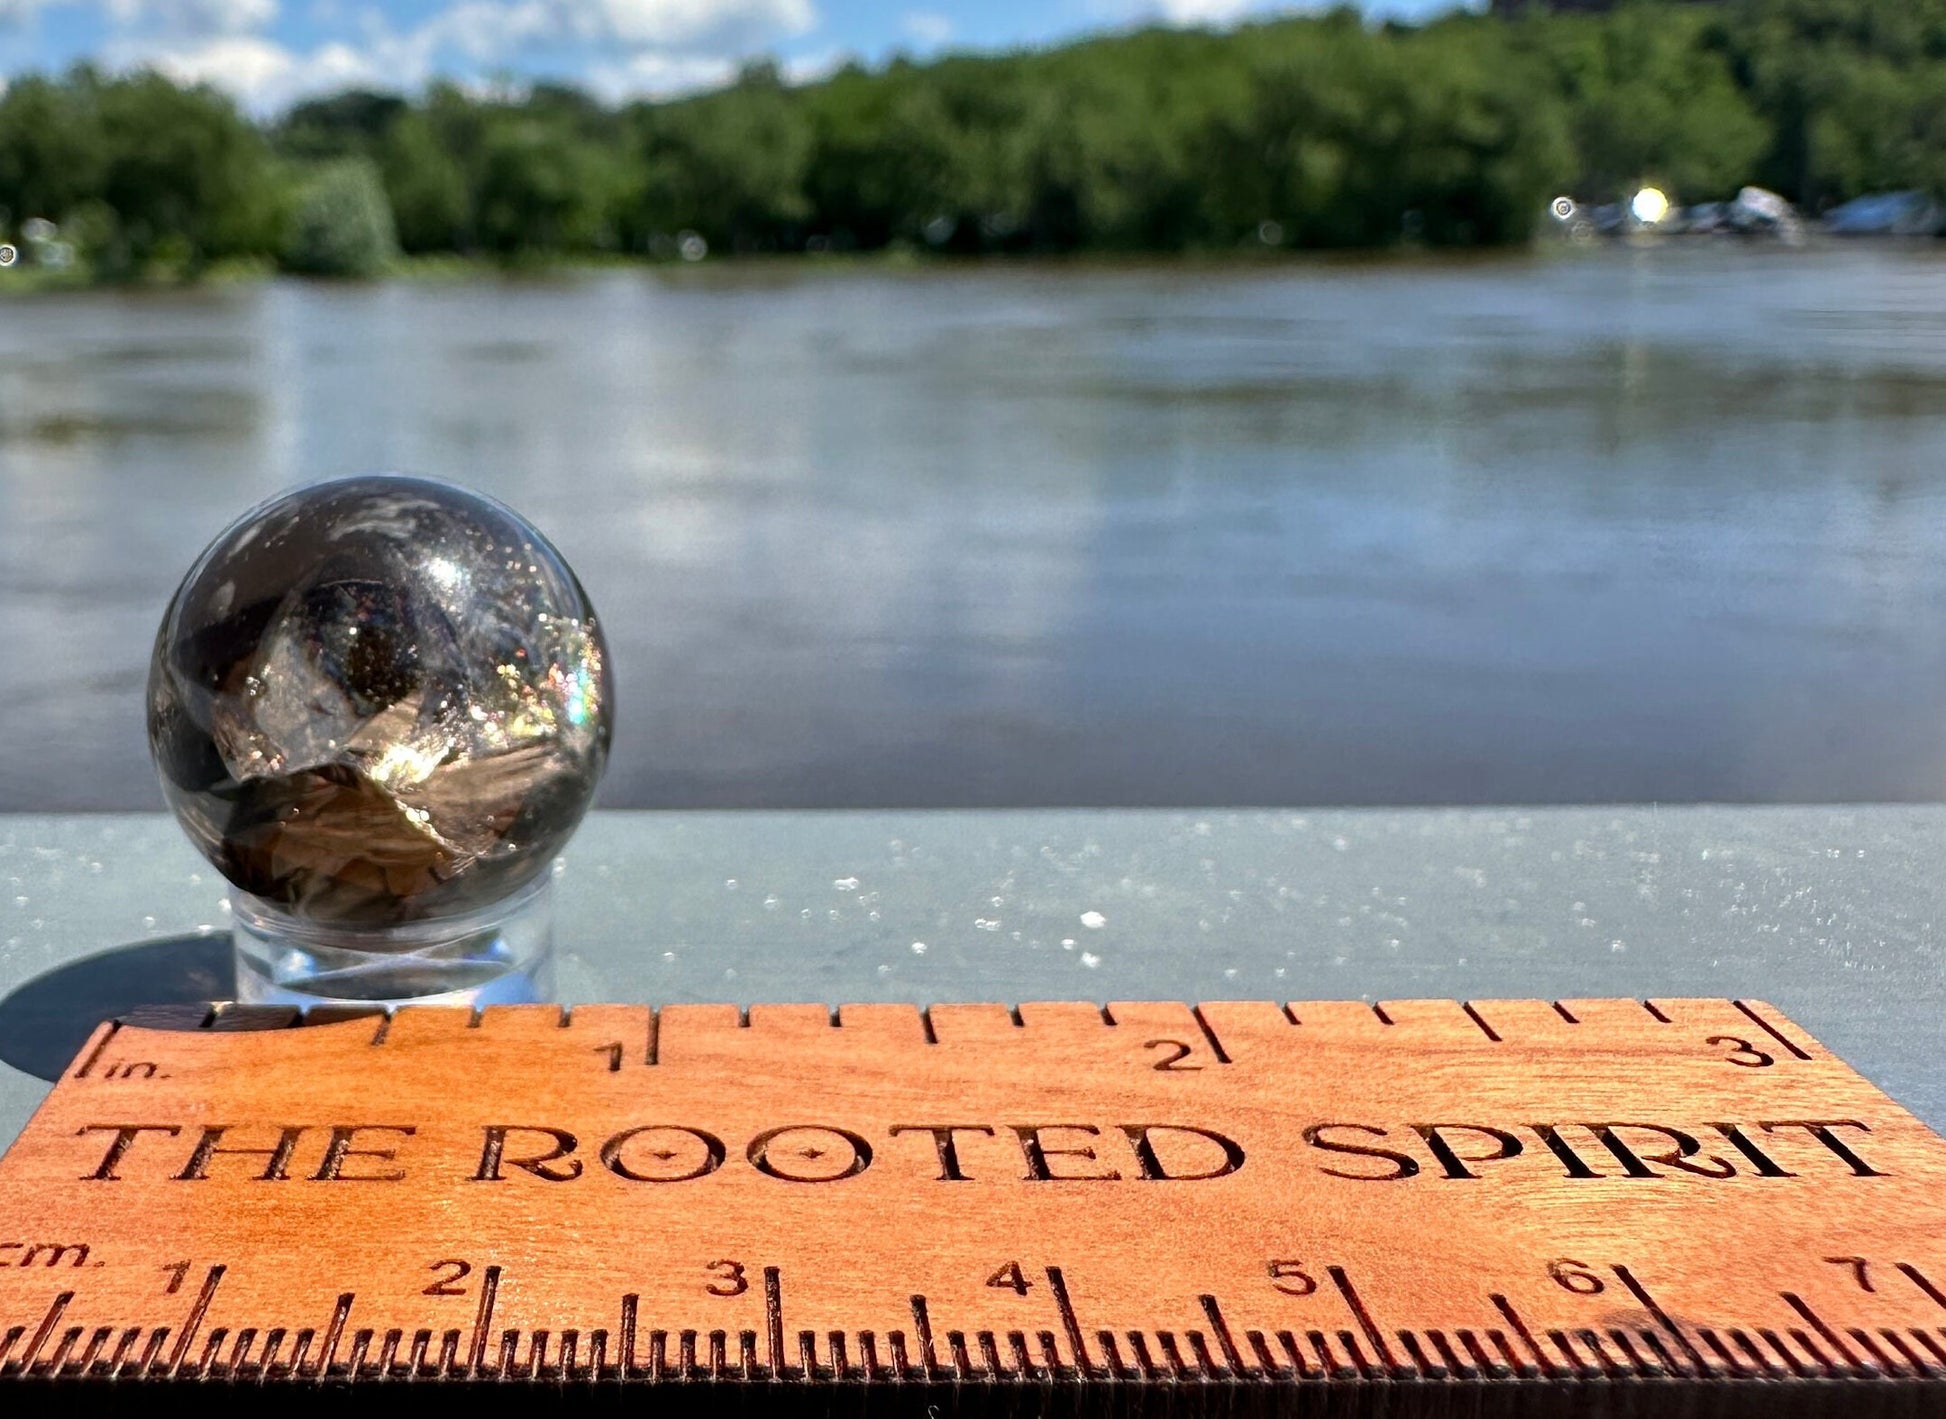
{"x":1324,"y":131}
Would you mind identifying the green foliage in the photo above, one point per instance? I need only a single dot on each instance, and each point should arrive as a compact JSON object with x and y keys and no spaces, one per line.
{"x":340,"y":223}
{"x":51,"y":153}
{"x":161,"y":175}
{"x":1651,"y":92}
{"x":1854,"y":91}
{"x":188,"y":179}
{"x":1321,"y":131}
{"x":427,"y":186}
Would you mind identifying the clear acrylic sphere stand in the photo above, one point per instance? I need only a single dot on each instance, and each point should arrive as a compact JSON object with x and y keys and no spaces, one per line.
{"x":502,"y":954}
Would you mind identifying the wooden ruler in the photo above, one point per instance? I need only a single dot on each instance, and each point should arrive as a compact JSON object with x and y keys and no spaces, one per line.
{"x":1418,"y":1207}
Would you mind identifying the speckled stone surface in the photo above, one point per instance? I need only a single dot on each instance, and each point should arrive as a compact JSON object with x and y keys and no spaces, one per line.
{"x":1831,"y":913}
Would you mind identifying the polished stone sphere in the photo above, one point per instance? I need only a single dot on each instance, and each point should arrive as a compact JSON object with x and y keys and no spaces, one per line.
{"x":380,"y":700}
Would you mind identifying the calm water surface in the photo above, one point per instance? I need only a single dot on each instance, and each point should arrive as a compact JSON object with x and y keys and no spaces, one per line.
{"x":1664,"y":524}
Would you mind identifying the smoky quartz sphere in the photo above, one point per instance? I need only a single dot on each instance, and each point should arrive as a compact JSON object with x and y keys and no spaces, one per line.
{"x":380,"y":700}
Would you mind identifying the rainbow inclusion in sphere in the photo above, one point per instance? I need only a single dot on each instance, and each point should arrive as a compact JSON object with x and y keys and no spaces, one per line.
{"x":380,"y":700}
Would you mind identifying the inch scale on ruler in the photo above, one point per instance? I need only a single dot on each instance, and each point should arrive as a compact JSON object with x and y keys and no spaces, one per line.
{"x":1604,"y":1206}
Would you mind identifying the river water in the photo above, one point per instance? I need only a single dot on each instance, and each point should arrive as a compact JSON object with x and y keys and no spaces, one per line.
{"x":1661,"y":524}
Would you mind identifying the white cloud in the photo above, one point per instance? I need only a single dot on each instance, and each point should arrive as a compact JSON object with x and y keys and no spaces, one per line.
{"x":194,"y":16}
{"x":678,"y":22}
{"x":1194,"y":12}
{"x":487,"y":31}
{"x":264,"y":75}
{"x":1205,"y":12}
{"x":483,"y":31}
{"x":657,"y":75}
{"x":927,"y":27}
{"x":810,"y":68}
{"x":625,"y":48}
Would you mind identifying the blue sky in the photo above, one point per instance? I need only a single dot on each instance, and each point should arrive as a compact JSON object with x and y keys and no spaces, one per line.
{"x":269,"y":52}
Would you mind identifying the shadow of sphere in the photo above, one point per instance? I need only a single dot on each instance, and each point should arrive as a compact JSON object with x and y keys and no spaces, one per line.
{"x":44,"y":1022}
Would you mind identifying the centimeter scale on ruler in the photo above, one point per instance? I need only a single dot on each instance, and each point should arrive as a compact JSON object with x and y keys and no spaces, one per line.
{"x":1558,"y":1204}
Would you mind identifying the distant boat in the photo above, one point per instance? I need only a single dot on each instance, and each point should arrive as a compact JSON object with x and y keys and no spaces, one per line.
{"x":1888,"y":214}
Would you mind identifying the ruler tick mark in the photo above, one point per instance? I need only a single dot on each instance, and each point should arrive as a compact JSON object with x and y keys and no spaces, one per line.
{"x":1655,"y":1011}
{"x":196,"y":1313}
{"x":1379,"y":1010}
{"x":1559,"y":1340}
{"x":631,"y":1303}
{"x":108,"y":1034}
{"x":482,"y":1321}
{"x":1871,"y":1348}
{"x":1906,"y":1352}
{"x":774,"y":1317}
{"x":1475,"y":1016}
{"x":1220,"y":1328}
{"x":1741,"y":1339}
{"x":1816,"y":1322}
{"x":1654,"y":1308}
{"x":1797,"y":1052}
{"x":1790,"y":1356}
{"x":1215,"y":1045}
{"x":1565,"y":1013}
{"x":1449,"y":1356}
{"x":1057,"y":1283}
{"x":42,"y":1331}
{"x":1918,"y":1278}
{"x":1342,"y":1281}
{"x":334,"y":1335}
{"x":1428,"y":1366}
{"x":1359,"y":1364}
{"x":1932,"y":1346}
{"x":922,"y":1328}
{"x":1298,"y":1364}
{"x":1810,"y":1347}
{"x":1714,"y":1341}
{"x":1512,"y":1317}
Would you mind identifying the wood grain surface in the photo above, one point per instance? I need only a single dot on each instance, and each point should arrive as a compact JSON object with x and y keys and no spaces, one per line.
{"x":1596,"y":1206}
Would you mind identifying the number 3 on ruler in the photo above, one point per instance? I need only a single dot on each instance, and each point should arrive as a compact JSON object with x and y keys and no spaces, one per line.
{"x":1742,"y":1052}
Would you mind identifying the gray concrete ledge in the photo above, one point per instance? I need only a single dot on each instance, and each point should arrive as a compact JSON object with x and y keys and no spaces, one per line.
{"x":1828,"y":912}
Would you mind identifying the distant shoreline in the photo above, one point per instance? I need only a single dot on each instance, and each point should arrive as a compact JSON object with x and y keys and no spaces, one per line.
{"x":1309,"y":133}
{"x":22,"y":281}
